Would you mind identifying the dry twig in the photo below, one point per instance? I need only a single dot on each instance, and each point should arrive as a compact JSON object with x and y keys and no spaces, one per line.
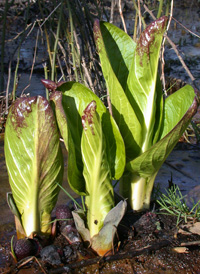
{"x":116,"y":257}
{"x":163,"y":48}
{"x":121,"y":15}
{"x":185,"y":27}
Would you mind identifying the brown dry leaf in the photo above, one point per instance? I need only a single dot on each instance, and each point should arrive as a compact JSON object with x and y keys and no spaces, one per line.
{"x":180,"y":249}
{"x":195,"y":228}
{"x":191,"y":228}
{"x":183,"y":232}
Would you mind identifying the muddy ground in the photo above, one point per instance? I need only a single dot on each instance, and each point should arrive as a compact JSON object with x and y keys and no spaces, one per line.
{"x":148,"y":243}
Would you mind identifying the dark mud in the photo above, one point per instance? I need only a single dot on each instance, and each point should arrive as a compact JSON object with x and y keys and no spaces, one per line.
{"x":148,"y":243}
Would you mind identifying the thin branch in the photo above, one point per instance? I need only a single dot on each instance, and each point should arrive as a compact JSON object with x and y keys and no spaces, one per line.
{"x":112,"y":11}
{"x":109,"y":103}
{"x":116,"y":257}
{"x":191,"y":243}
{"x":7,"y":88}
{"x":186,"y":28}
{"x":180,"y":58}
{"x":163,"y":49}
{"x":25,"y":261}
{"x":140,"y":16}
{"x":50,"y":14}
{"x":21,"y":32}
{"x":121,"y":15}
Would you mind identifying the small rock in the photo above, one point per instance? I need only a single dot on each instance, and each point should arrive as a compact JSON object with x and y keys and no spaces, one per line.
{"x":69,"y":254}
{"x":50,"y":255}
{"x":67,"y":251}
{"x":71,"y":234}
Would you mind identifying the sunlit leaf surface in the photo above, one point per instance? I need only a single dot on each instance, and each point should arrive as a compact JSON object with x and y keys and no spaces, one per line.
{"x":34,"y":161}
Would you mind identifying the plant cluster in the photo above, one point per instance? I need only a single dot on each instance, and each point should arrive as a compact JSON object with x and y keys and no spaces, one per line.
{"x":130,"y":142}
{"x":173,"y":203}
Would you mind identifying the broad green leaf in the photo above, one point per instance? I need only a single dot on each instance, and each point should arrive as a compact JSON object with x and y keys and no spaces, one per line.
{"x":120,"y":49}
{"x":75,"y":99}
{"x":141,"y":84}
{"x":150,"y":162}
{"x":150,"y":127}
{"x":96,"y":170}
{"x":175,"y":106}
{"x":34,"y":161}
{"x":75,"y":168}
{"x":123,"y":112}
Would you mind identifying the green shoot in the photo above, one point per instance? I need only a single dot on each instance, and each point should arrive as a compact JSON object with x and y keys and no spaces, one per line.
{"x":173,"y":203}
{"x":69,"y":195}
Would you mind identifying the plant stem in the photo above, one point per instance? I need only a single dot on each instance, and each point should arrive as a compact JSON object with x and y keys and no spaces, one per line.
{"x":83,"y":204}
{"x":167,"y":8}
{"x":72,"y":40}
{"x":160,"y":8}
{"x":46,"y":77}
{"x":15,"y":76}
{"x":56,"y":44}
{"x":98,"y":207}
{"x":139,"y":14}
{"x":135,"y":27}
{"x":137,"y":190}
{"x":46,"y":33}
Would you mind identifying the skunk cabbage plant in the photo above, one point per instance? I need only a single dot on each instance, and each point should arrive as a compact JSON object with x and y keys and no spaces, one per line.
{"x":35,"y":164}
{"x":150,"y":125}
{"x":96,"y":156}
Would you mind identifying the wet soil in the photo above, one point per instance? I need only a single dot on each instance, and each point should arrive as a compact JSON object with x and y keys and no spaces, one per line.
{"x":148,"y":243}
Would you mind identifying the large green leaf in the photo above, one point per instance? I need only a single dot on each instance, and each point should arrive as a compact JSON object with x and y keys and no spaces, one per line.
{"x":123,"y":112}
{"x":75,"y":166}
{"x":75,"y":99}
{"x":34,"y":161}
{"x":150,"y":162}
{"x":149,"y":126}
{"x":96,"y":170}
{"x":175,"y":107}
{"x":120,"y":49}
{"x":141,"y":83}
